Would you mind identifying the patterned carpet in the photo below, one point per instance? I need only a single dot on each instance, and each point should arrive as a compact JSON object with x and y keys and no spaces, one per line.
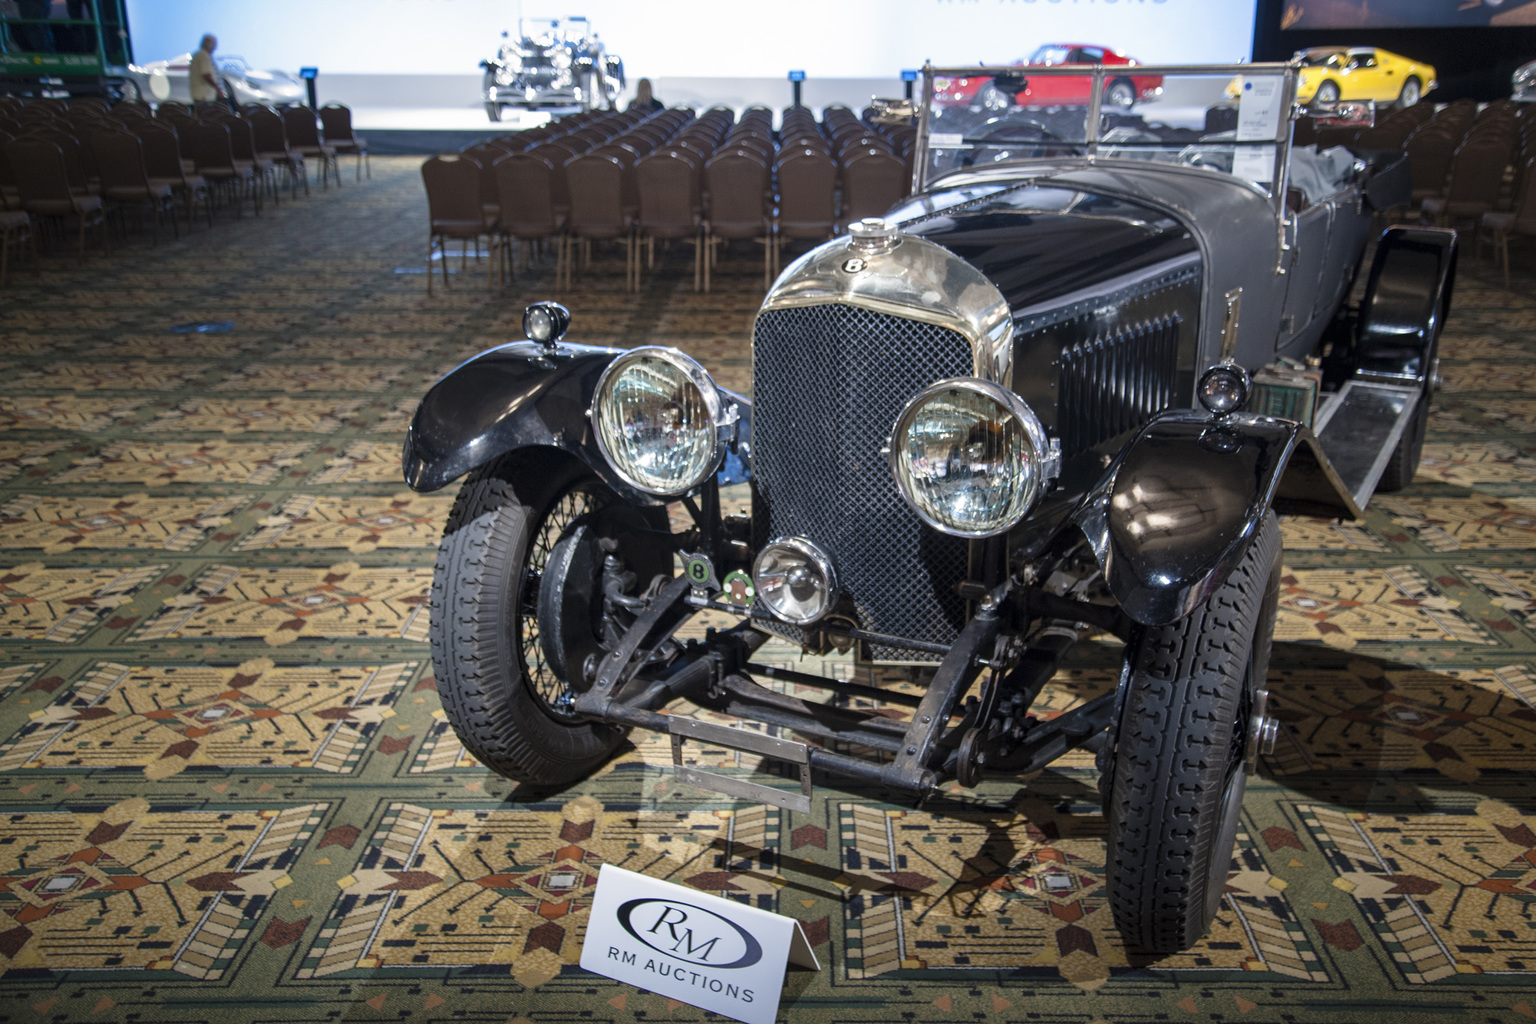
{"x":230,"y":794}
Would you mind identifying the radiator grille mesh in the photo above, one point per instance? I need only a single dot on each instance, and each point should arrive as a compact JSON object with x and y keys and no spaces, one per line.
{"x":1114,"y":383}
{"x":828,"y":382}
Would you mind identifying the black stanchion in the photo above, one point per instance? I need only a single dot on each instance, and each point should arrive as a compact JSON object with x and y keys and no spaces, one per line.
{"x":309,"y":75}
{"x":795,"y":78}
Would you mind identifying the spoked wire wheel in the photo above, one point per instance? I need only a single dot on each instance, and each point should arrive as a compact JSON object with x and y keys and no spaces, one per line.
{"x":553,"y":692}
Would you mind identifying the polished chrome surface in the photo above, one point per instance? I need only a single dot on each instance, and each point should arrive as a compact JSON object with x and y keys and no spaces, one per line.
{"x":546,"y":322}
{"x":1043,"y":455}
{"x":1223,"y":388}
{"x":908,"y":277}
{"x":720,"y":414}
{"x":810,"y":554}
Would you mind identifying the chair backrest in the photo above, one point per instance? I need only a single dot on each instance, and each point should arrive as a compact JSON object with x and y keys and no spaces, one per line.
{"x":242,"y":139}
{"x":453,"y":189}
{"x":119,"y":159}
{"x":1525,"y":199}
{"x":525,"y":190}
{"x":872,"y":184}
{"x":1429,"y":158}
{"x":1477,"y":171}
{"x":807,"y":200}
{"x":300,"y":124}
{"x":486,"y":156}
{"x":79,"y":163}
{"x":737,"y":180}
{"x":208,"y":142}
{"x":336,"y":120}
{"x":268,"y":131}
{"x":668,"y":193}
{"x":596,"y":183}
{"x":162,"y":151}
{"x":37,"y":165}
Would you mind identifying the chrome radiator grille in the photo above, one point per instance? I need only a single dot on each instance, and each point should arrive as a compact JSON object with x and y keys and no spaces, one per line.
{"x":828,"y":382}
{"x":1113,"y":383}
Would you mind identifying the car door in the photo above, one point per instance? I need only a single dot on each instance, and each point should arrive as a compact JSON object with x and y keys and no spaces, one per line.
{"x":1309,"y":252}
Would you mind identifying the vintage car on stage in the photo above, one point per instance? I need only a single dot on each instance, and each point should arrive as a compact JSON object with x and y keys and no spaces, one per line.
{"x":167,"y":80}
{"x":1062,"y":390}
{"x":553,"y":62}
{"x":1120,"y":90}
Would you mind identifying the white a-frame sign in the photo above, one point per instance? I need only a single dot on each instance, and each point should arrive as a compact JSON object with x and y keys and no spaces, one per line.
{"x":690,"y":946}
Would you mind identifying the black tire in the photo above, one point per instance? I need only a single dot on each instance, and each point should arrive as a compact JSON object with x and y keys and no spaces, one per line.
{"x":500,"y":697}
{"x":1179,"y":768}
{"x":1328,"y":92}
{"x":1404,"y":463}
{"x":1121,"y":93}
{"x":493,"y":110}
{"x":1413,"y":91}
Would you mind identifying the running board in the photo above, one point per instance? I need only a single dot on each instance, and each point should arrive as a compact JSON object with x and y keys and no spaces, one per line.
{"x":1358,"y":429}
{"x":750,"y":742}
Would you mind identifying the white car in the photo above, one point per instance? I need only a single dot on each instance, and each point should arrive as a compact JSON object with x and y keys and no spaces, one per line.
{"x":165,"y":80}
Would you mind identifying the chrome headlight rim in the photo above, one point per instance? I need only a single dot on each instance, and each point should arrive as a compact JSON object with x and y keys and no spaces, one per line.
{"x":1012,"y":405}
{"x":714,"y":404}
{"x":816,"y":557}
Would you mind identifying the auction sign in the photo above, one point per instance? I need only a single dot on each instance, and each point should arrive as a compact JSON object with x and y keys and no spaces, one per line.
{"x":700,"y":949}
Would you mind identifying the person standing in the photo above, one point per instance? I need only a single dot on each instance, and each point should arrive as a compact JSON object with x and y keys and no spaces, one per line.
{"x":201,"y":79}
{"x":644,"y":101}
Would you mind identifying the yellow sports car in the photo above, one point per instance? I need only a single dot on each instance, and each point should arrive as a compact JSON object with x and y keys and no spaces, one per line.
{"x":1331,"y":73}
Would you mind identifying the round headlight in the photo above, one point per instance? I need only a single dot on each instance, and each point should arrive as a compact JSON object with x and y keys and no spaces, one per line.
{"x":656,"y":416}
{"x":794,"y":578}
{"x":969,"y":457}
{"x":1223,"y":388}
{"x":504,"y":75}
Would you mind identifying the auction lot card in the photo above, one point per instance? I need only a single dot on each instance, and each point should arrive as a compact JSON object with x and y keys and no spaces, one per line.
{"x":701,"y":949}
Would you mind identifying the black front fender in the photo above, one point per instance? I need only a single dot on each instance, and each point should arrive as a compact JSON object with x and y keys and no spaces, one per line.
{"x":1176,"y":511}
{"x":522,"y":395}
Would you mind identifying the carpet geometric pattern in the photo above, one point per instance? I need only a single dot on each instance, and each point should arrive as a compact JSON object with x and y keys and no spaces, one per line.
{"x":229,"y":792}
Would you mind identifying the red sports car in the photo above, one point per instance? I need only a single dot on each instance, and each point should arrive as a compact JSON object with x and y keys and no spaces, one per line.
{"x":1053,"y":90}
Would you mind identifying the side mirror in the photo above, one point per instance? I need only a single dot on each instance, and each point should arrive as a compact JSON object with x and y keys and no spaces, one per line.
{"x":893,"y":111}
{"x":1343,"y":114}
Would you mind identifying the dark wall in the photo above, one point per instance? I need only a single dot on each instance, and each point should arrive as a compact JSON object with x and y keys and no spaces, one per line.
{"x":1471,"y":62}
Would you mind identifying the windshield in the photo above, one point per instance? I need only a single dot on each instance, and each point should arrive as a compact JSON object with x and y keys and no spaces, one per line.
{"x":1227,"y":120}
{"x":1331,"y":59}
{"x":1050,"y":54}
{"x":551,"y":31}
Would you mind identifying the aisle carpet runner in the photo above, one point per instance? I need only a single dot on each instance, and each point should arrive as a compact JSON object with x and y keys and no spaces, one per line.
{"x":229,"y":792}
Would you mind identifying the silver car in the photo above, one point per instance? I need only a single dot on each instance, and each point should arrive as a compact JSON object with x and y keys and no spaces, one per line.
{"x":553,"y":62}
{"x":1522,"y":85}
{"x":165,"y":80}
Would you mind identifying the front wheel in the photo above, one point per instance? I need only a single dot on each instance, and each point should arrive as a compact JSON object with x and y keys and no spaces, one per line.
{"x":1120,"y":94}
{"x":493,"y":110}
{"x":508,"y":704}
{"x":1179,"y":766}
{"x":1412,"y":90}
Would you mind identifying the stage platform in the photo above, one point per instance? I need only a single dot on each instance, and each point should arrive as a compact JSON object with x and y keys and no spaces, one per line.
{"x":427,"y":130}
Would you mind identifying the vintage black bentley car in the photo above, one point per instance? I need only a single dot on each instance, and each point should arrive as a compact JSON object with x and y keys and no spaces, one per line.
{"x":1062,"y":390}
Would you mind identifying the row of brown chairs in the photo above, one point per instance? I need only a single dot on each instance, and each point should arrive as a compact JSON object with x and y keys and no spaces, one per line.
{"x":61,"y":161}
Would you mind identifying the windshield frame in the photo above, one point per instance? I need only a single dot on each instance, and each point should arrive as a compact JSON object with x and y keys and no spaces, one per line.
{"x":1275,"y":190}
